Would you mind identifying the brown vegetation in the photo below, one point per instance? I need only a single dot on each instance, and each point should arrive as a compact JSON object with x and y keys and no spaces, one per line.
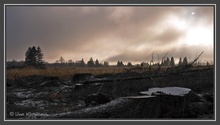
{"x":62,"y":73}
{"x":67,"y":72}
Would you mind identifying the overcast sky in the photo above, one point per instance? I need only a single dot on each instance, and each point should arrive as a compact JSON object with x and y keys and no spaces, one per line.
{"x":110,"y":33}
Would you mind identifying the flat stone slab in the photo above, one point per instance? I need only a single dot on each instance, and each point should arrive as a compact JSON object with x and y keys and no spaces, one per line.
{"x":139,"y":97}
{"x":176,"y":91}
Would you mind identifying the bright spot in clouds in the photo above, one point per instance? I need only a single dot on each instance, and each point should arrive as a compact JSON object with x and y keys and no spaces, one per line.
{"x":177,"y":22}
{"x":195,"y":34}
{"x":199,"y":36}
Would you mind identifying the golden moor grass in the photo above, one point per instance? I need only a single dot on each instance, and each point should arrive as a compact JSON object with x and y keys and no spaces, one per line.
{"x":63,"y":73}
{"x":68,"y":72}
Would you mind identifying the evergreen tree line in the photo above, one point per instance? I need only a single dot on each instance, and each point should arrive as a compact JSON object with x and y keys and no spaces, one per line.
{"x":171,"y":62}
{"x":81,"y":63}
{"x":34,"y":57}
{"x":90,"y":63}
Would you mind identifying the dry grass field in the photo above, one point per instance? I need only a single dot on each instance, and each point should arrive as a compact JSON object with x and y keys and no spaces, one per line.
{"x":62,"y":73}
{"x":66,"y":73}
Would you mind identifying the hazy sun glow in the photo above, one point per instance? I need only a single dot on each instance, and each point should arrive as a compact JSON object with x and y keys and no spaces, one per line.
{"x":195,"y":35}
{"x":199,"y":36}
{"x":176,"y":22}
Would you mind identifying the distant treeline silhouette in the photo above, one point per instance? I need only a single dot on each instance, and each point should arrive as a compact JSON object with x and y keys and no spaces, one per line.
{"x":34,"y":57}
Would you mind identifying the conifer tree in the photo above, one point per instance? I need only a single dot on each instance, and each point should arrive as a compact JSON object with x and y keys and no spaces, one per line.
{"x":34,"y":57}
{"x":180,"y":61}
{"x":40,"y":55}
{"x":185,"y":61}
{"x":90,"y":63}
{"x":129,"y":64}
{"x":106,"y":63}
{"x":82,"y":64}
{"x":97,"y":64}
{"x":172,"y":62}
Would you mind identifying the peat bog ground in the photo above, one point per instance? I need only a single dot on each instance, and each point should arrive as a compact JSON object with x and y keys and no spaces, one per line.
{"x":118,"y":95}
